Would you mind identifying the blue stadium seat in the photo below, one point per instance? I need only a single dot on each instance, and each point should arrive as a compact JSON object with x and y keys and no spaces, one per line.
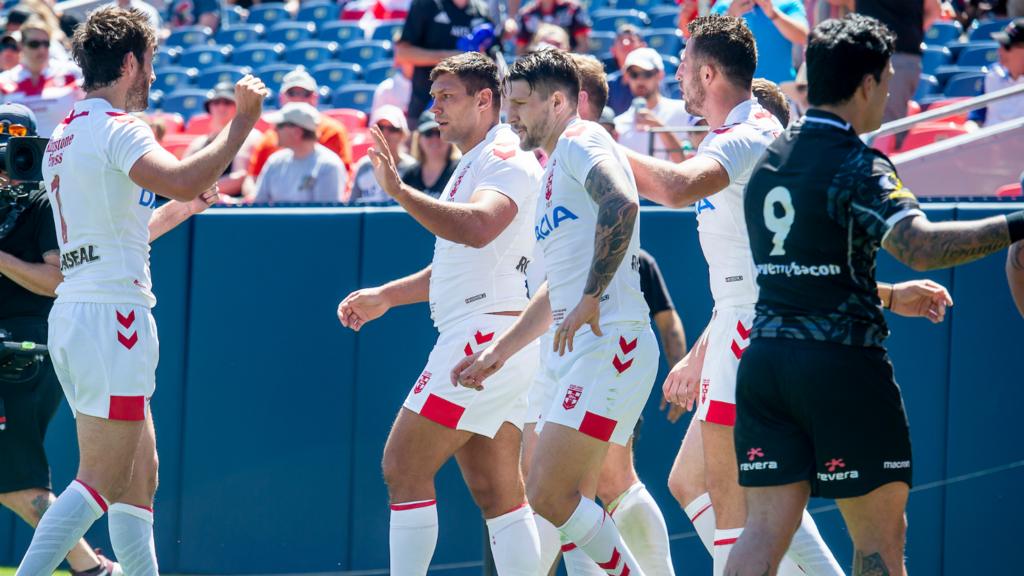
{"x":670,"y":88}
{"x":239,"y":34}
{"x":642,"y":5}
{"x":934,"y":56}
{"x":942,"y":32}
{"x":210,"y":77}
{"x":600,"y":41}
{"x":188,"y":102}
{"x":944,"y":73}
{"x":365,"y":51}
{"x":310,"y":53}
{"x":170,"y":78}
{"x":927,"y":86}
{"x":273,"y":74}
{"x":665,"y":20}
{"x":288,"y":32}
{"x":317,"y":11}
{"x":664,"y":40}
{"x":256,"y":54}
{"x":983,"y":30}
{"x":165,"y":56}
{"x":340,"y":32}
{"x":969,"y":84}
{"x":671,"y":64}
{"x":189,"y":36}
{"x":378,"y":72}
{"x":660,"y":10}
{"x":268,"y":14}
{"x":336,"y":74}
{"x":233,"y":15}
{"x":610,"y":20}
{"x":203,"y":56}
{"x":978,"y":56}
{"x":355,"y":96}
{"x":389,"y":31}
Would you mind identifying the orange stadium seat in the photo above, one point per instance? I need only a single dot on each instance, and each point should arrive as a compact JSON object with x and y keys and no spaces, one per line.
{"x":174,"y":122}
{"x":930,"y":132}
{"x":177,"y":143}
{"x":354,"y":120}
{"x":1009,"y":191}
{"x":198,"y":124}
{"x":958,"y":118}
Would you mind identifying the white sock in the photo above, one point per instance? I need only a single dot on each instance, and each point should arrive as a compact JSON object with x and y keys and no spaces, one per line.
{"x":724,"y":541}
{"x":809,"y":552}
{"x":515,"y":545}
{"x":643,"y":529}
{"x":550,"y":542}
{"x":577,"y":563}
{"x":131,"y":537}
{"x":413,"y":536}
{"x":702,"y":514}
{"x":61,"y":527}
{"x":594,"y":533}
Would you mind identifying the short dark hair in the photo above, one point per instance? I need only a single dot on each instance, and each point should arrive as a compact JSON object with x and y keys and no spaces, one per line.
{"x":728,"y":43}
{"x":771,"y":98}
{"x":840,"y":53}
{"x":100,"y":44}
{"x":593,"y":81}
{"x":476,"y":71}
{"x":547,"y":71}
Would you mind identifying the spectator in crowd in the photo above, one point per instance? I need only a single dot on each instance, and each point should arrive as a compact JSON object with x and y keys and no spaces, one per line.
{"x":194,"y":12}
{"x":778,"y":26}
{"x":432,"y":31}
{"x":1008,"y":72}
{"x":155,"y":123}
{"x":220,"y":105}
{"x":568,"y":15}
{"x":771,"y":98}
{"x":302,"y":171}
{"x":796,"y":91}
{"x":47,"y":86}
{"x":627,"y":39}
{"x":435,"y":158}
{"x":607,"y":120}
{"x":392,"y":123}
{"x":10,"y":50}
{"x":299,"y":86}
{"x":16,"y":17}
{"x":549,"y":36}
{"x":908,"y":20}
{"x":826,"y":9}
{"x":645,"y":70}
{"x":45,"y":9}
{"x":396,"y":90}
{"x":144,"y":7}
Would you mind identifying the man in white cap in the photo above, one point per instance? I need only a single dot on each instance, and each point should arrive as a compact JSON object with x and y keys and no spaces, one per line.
{"x":644,"y":71}
{"x":391,"y":121}
{"x":302,"y":170}
{"x":299,"y":86}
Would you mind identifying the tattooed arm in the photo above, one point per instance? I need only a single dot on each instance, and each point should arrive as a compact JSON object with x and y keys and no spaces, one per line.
{"x":925,"y":245}
{"x":1015,"y":273}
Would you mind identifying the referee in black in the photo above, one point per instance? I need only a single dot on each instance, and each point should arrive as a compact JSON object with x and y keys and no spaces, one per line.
{"x":30,"y":394}
{"x":818,"y":410}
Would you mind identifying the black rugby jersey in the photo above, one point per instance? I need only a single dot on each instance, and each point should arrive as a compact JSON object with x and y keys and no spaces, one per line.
{"x":817,"y":207}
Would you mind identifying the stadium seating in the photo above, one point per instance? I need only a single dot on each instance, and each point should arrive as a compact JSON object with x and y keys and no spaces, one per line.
{"x":177,"y":143}
{"x":198,"y":124}
{"x":290,"y":32}
{"x":317,"y":11}
{"x":360,"y":141}
{"x":944,"y":73}
{"x":340,"y":32}
{"x":1009,"y":191}
{"x":943,"y":32}
{"x":610,"y":20}
{"x":642,"y":5}
{"x":239,"y":34}
{"x":310,"y":53}
{"x":267,"y":14}
{"x":365,"y":51}
{"x":983,"y":30}
{"x":189,"y":36}
{"x":958,"y":118}
{"x":273,"y":74}
{"x":336,"y":74}
{"x":670,"y":88}
{"x":203,"y":56}
{"x":930,"y":132}
{"x":186,"y":102}
{"x":390,"y":30}
{"x":978,"y":56}
{"x":378,"y":72}
{"x":934,"y":56}
{"x":170,"y":78}
{"x":165,"y":56}
{"x":354,"y":120}
{"x":665,"y":20}
{"x":927,"y":86}
{"x":666,"y":41}
{"x":210,"y":77}
{"x":174,"y":123}
{"x":968,"y":84}
{"x":256,"y":54}
{"x":355,"y":96}
{"x":600,"y":42}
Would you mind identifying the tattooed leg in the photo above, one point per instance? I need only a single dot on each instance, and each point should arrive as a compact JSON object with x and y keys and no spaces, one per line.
{"x":30,"y":505}
{"x":878,"y":526}
{"x":869,"y":565}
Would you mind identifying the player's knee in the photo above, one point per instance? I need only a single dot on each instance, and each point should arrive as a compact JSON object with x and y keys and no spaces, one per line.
{"x":396,"y":474}
{"x":682,"y":487}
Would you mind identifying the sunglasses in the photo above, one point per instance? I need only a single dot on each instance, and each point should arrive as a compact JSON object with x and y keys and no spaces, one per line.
{"x":13,"y":129}
{"x":432,"y":133}
{"x":36,"y":44}
{"x":222,"y":102}
{"x":645,"y":74}
{"x":9,"y":46}
{"x":298,"y":93}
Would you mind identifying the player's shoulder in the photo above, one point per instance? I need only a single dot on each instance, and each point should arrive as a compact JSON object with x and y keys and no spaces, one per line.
{"x":584,"y":133}
{"x":503,"y":148}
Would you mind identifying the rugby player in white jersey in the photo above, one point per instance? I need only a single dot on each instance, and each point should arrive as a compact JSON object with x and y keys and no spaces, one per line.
{"x":476,"y":286}
{"x":716,"y":76}
{"x":101,"y":169}
{"x":607,"y":355}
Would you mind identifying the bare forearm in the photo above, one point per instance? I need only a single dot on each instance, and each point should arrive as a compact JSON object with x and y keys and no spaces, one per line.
{"x":39,"y":278}
{"x":1015,"y":274}
{"x":673,"y":337}
{"x":416,"y":56}
{"x":616,"y":217}
{"x":167,"y":217}
{"x":673,"y":146}
{"x":531,"y":324}
{"x":925,"y":245}
{"x":457,"y":222}
{"x":676,"y":184}
{"x":408,"y":290}
{"x":791,"y":28}
{"x":197,"y":173}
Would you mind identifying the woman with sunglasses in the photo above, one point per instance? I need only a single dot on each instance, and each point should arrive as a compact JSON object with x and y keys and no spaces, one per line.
{"x":435,"y":158}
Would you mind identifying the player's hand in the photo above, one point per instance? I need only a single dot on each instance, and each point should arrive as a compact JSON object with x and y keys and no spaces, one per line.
{"x":204,"y":200}
{"x":471,"y":371}
{"x":383,"y":165}
{"x":249,"y":96}
{"x":646,"y":119}
{"x":920,"y":299}
{"x":767,"y":8}
{"x":675,"y":411}
{"x":361,"y":306}
{"x":740,"y":7}
{"x":588,"y":311}
{"x":683,"y":381}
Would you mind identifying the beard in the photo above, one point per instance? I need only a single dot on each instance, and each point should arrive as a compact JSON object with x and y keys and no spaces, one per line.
{"x":138,"y":95}
{"x":694,"y":95}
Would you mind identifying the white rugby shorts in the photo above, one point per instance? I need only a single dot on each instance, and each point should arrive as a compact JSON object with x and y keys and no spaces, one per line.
{"x":728,"y":337}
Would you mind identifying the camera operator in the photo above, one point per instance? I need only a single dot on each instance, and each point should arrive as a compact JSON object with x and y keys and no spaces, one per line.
{"x":29,"y":390}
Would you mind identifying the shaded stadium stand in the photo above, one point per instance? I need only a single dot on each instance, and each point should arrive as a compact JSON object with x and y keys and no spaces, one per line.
{"x":978,"y":55}
{"x":609,"y":20}
{"x":256,"y":54}
{"x":317,"y":12}
{"x":165,"y":56}
{"x":203,"y":56}
{"x":335,"y":74}
{"x":927,"y":86}
{"x":310,"y":53}
{"x":378,"y":72}
{"x":641,"y":5}
{"x":290,"y":32}
{"x":273,"y":74}
{"x":945,"y":73}
{"x":969,"y":84}
{"x":389,"y":31}
{"x":365,"y":51}
{"x":239,"y":34}
{"x":355,"y":96}
{"x":187,"y":102}
{"x":666,"y":41}
{"x":210,"y":77}
{"x":189,"y":36}
{"x":942,"y":32}
{"x":983,"y":30}
{"x":340,"y":32}
{"x":267,"y":14}
{"x":600,"y":41}
{"x":934,"y":56}
{"x":171,"y":78}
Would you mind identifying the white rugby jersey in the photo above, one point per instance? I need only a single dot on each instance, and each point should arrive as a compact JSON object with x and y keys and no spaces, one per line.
{"x":566,"y":221}
{"x":465,"y":280}
{"x":50,"y":97}
{"x":102,"y":217}
{"x":721,"y":225}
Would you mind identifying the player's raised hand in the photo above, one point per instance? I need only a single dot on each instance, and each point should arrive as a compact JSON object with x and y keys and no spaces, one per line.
{"x":204,"y":200}
{"x":683,"y":381}
{"x":920,"y":299}
{"x":471,"y":371}
{"x":360,"y":307}
{"x":249,"y":96}
{"x":383,"y":165}
{"x":588,"y":311}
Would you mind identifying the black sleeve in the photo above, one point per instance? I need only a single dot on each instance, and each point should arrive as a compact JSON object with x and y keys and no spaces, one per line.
{"x":46,"y":232}
{"x":421,"y":14}
{"x":653,"y":285}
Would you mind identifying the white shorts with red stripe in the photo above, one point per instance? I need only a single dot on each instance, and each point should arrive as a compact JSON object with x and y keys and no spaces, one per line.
{"x":604,"y":383}
{"x":105,"y":356}
{"x":728,"y":337}
{"x":503,"y":398}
